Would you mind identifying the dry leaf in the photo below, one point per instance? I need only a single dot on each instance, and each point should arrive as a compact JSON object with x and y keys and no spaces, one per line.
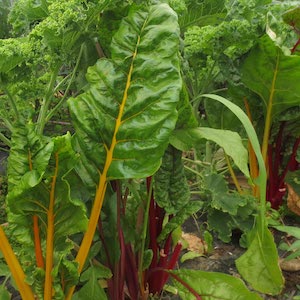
{"x":292,"y":265}
{"x":293,"y":200}
{"x":195,"y":244}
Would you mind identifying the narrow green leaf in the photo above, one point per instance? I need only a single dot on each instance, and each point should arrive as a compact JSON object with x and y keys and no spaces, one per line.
{"x":291,"y":230}
{"x":259,"y":265}
{"x":212,"y":286}
{"x":229,"y":140}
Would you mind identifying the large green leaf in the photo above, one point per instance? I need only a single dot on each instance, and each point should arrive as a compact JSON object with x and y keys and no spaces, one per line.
{"x":185,"y":139}
{"x":273,"y":75}
{"x":125,"y":117}
{"x":44,"y":191}
{"x":212,"y":286}
{"x":259,"y":265}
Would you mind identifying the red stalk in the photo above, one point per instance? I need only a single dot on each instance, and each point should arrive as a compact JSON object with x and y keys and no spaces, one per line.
{"x":293,"y":50}
{"x":131,"y":273}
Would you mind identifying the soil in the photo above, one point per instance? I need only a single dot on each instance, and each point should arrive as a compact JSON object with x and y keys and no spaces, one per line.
{"x":222,"y":259}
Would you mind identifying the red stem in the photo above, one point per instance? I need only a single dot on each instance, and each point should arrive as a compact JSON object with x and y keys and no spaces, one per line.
{"x":131,"y":271}
{"x":293,"y":50}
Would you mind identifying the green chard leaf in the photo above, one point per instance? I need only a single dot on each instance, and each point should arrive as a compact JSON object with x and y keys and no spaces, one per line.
{"x":272,"y":75}
{"x":259,"y":265}
{"x":46,"y":165}
{"x":211,"y":286}
{"x":125,"y":117}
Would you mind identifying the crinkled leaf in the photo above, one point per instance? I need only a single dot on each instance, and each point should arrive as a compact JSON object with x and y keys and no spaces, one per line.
{"x":13,"y":52}
{"x":171,"y":188}
{"x":272,"y":75}
{"x":224,"y":223}
{"x":27,"y":148}
{"x":185,"y":212}
{"x":42,"y":161}
{"x":129,"y":108}
{"x":212,"y":286}
{"x":259,"y":264}
{"x":230,"y":141}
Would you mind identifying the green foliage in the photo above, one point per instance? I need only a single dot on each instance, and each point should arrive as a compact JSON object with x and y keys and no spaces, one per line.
{"x":294,"y":248}
{"x":211,"y":286}
{"x":127,"y":88}
{"x":277,"y":73}
{"x":171,"y":187}
{"x":259,"y":265}
{"x":32,"y":163}
{"x":131,"y":102}
{"x":92,"y":288}
{"x":228,"y":140}
{"x":228,"y":210}
{"x":4,"y":294}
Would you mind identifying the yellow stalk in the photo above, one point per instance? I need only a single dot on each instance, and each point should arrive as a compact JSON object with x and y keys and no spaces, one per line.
{"x":50,"y":236}
{"x":100,"y":193}
{"x":15,"y":267}
{"x":235,"y":181}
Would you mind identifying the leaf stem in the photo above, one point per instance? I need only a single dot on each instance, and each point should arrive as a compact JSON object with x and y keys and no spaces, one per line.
{"x":12,"y":103}
{"x":41,"y":121}
{"x":268,"y":121}
{"x":144,"y":234}
{"x":50,"y":236}
{"x":252,"y":158}
{"x":15,"y":267}
{"x":37,"y":243}
{"x":62,"y":100}
{"x":233,"y":176}
{"x":36,"y":230}
{"x":100,"y":193}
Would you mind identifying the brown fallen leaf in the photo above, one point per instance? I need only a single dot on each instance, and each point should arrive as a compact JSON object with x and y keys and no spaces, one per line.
{"x":195,"y":243}
{"x":293,"y":200}
{"x":292,"y":265}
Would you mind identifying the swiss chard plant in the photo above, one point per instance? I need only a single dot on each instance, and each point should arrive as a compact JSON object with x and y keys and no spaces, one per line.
{"x":96,"y":213}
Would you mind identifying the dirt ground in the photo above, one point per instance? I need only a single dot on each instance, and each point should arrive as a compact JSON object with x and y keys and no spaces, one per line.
{"x":222,"y":259}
